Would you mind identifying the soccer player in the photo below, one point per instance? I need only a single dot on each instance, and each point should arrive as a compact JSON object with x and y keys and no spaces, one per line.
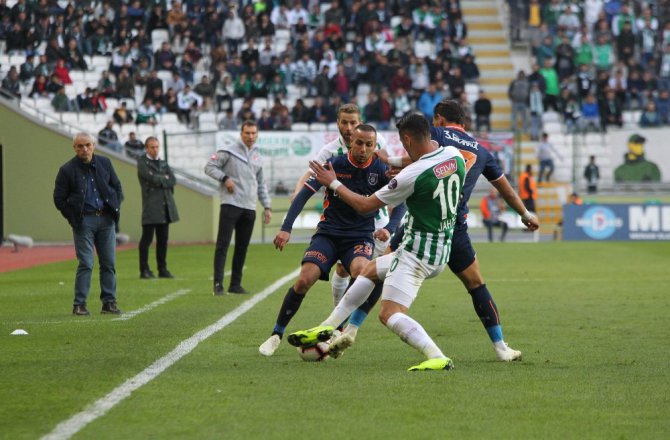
{"x":348,"y":118}
{"x":448,"y":120}
{"x":342,"y":234}
{"x":431,"y":186}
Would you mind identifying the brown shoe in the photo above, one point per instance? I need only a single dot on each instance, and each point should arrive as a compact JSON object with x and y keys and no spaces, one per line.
{"x":80,"y":310}
{"x":110,"y":307}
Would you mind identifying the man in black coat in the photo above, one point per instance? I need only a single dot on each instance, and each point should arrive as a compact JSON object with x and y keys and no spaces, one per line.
{"x":88,"y":194}
{"x":158,"y":207}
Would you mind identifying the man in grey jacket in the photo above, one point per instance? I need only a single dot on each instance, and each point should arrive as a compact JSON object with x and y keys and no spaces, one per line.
{"x":239,"y":169}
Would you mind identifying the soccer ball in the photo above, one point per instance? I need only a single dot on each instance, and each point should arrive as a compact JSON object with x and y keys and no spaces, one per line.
{"x":314,"y":353}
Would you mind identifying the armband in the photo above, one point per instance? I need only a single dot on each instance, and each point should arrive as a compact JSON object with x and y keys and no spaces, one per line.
{"x":334,"y":185}
{"x":395,"y":161}
{"x":527,"y":215}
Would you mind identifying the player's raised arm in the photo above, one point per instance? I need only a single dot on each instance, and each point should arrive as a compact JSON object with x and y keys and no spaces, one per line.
{"x":298,"y":203}
{"x":326,"y":176}
{"x":513,"y":200}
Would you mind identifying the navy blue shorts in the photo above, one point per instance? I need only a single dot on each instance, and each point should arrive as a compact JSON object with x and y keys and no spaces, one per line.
{"x":462,"y":254}
{"x":325,"y":250}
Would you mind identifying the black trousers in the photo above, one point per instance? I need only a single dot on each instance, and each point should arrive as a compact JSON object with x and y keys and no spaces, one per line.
{"x":242,"y":222}
{"x":162,"y":233}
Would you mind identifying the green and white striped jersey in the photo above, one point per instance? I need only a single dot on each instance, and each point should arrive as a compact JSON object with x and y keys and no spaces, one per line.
{"x":431,"y":187}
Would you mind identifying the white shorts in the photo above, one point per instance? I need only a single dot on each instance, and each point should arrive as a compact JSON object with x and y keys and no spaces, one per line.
{"x":403,"y":275}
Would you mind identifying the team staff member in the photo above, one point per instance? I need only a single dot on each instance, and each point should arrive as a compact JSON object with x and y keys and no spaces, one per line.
{"x":88,"y":194}
{"x":239,"y":168}
{"x":528,"y":189}
{"x":158,"y":207}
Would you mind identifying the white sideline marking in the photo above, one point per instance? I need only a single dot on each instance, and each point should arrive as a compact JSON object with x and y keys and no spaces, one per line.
{"x":166,"y":298}
{"x":100,"y":407}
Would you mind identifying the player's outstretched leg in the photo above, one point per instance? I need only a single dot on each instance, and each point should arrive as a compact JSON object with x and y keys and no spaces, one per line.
{"x":488,"y":314}
{"x":288,"y":309}
{"x":305,"y":338}
{"x":415,"y":336}
{"x":338,"y":285}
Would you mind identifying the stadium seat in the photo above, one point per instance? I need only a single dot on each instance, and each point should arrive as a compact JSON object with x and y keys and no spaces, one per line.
{"x":205,"y":118}
{"x":424,"y":49}
{"x":169,"y":118}
{"x":17,"y":60}
{"x":317,"y":126}
{"x":70,"y":118}
{"x":77,"y":75}
{"x":86,"y":118}
{"x":300,"y":126}
{"x":130,"y":103}
{"x":99,"y":63}
{"x":112,"y":103}
{"x":158,"y":36}
{"x":209,"y":126}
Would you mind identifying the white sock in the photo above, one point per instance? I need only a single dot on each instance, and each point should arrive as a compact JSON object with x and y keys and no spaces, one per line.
{"x":413,"y":334}
{"x":351,"y":330}
{"x":338,"y":285}
{"x":355,"y":296}
{"x":500,"y":345}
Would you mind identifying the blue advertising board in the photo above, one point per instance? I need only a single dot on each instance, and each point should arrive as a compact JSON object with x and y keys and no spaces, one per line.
{"x":616,"y":222}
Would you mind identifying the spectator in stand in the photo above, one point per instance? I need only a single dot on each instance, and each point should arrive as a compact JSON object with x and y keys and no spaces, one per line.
{"x":121,"y":59}
{"x":553,"y":86}
{"x":39,"y":88}
{"x":146,"y":113}
{"x":164,"y":58}
{"x":428,"y":100}
{"x":322,"y":83}
{"x":171,"y":102}
{"x":650,"y":117}
{"x":176,"y":19}
{"x":175,"y":82}
{"x":619,"y":85}
{"x":300,"y":113}
{"x":122,"y":115}
{"x":62,"y":72}
{"x":228,"y":121}
{"x":611,"y":111}
{"x":483,"y":109}
{"x":536,"y":107}
{"x":320,"y":112}
{"x":583,"y":51}
{"x":492,"y":207}
{"x":625,"y":43}
{"x":456,"y":82}
{"x":187,"y":102}
{"x":107,"y":137}
{"x":154,"y":81}
{"x":283,"y":121}
{"x":266,"y":121}
{"x":545,"y":51}
{"x":634,"y":91}
{"x":242,"y":86}
{"x":98,"y":102}
{"x":551,"y":12}
{"x":519,"y":93}
{"x":569,"y":21}
{"x":592,"y":175}
{"x":420,"y":80}
{"x":233,"y":30}
{"x":27,"y":69}
{"x":304,"y":72}
{"x":590,"y":114}
{"x":565,"y":55}
{"x":125,"y":85}
{"x":106,"y":85}
{"x":603,"y":54}
{"x":545,"y":155}
{"x":401,"y":104}
{"x":133,"y":146}
{"x":60,"y":102}
{"x":246,"y":112}
{"x":663,"y":106}
{"x":225,"y":90}
{"x":206,"y":91}
{"x":469,"y":69}
{"x":619,"y":21}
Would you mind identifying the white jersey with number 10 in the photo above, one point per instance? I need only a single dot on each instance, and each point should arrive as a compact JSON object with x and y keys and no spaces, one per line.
{"x":431,"y":187}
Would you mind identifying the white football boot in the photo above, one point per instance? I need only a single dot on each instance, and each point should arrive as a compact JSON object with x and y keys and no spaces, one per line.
{"x":339,"y":344}
{"x":506,"y":354}
{"x":269,"y":347}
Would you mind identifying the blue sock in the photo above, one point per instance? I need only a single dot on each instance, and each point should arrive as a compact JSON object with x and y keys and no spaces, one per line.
{"x":487,"y":311}
{"x":358,"y":317}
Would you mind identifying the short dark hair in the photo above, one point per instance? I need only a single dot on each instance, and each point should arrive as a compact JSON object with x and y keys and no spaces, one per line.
{"x":451,"y":110}
{"x":415,"y":125}
{"x":151,"y":138}
{"x":366,"y":128}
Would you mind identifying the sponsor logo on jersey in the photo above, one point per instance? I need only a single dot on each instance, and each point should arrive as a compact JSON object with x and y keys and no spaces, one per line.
{"x":445,"y":168}
{"x":454,"y":137}
{"x":316,"y":255}
{"x":373,"y":178}
{"x":393,"y":184}
{"x":343,"y":176}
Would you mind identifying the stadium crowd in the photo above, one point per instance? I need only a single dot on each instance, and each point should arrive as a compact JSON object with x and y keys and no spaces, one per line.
{"x":593,"y":60}
{"x":300,"y":59}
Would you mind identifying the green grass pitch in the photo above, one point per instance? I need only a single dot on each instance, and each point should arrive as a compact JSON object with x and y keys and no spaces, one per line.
{"x":590,"y":318}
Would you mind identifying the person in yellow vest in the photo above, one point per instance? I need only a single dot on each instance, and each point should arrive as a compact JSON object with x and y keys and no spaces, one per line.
{"x":528,"y":188}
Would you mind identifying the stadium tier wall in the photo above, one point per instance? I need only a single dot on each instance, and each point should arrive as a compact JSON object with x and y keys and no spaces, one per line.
{"x":32,"y":155}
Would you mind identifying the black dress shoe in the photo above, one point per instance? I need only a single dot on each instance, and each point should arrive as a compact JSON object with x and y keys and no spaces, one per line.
{"x":237,"y":289}
{"x":110,"y":307}
{"x":80,"y":310}
{"x":147,"y":275}
{"x":165,"y":274}
{"x":218,"y":289}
